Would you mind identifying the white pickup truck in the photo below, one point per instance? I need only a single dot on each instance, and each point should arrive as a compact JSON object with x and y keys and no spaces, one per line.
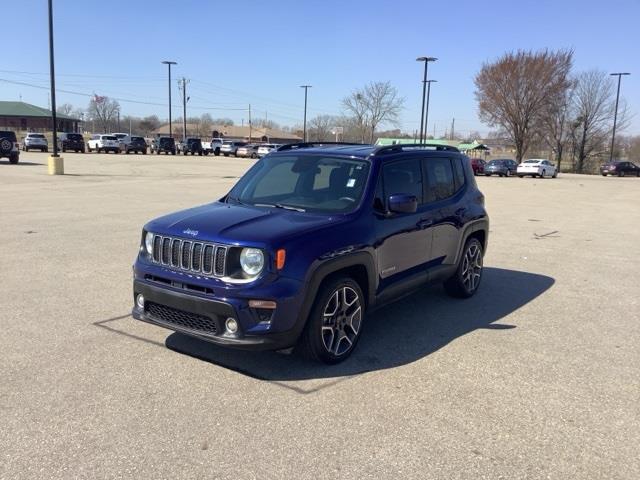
{"x":213,"y":146}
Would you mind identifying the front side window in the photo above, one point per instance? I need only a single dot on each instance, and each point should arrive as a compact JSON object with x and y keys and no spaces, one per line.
{"x":441,"y":179}
{"x":303,"y":182}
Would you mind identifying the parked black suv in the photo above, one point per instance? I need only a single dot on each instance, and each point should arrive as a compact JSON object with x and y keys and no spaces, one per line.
{"x":9,"y":146}
{"x":164,"y":144}
{"x":308,"y":240}
{"x":137,"y":145}
{"x":71,"y":141}
{"x":193,"y":146}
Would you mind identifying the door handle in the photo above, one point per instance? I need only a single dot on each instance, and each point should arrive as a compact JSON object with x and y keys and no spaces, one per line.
{"x":426,"y":223}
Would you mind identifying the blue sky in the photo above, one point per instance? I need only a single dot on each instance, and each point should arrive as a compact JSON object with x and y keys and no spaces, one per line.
{"x":258,"y":52}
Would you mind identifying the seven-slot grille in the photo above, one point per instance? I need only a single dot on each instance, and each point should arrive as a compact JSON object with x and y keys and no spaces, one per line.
{"x":193,"y":256}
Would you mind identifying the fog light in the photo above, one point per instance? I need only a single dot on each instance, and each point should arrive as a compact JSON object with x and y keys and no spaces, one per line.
{"x":231,"y":325}
{"x":140,"y":301}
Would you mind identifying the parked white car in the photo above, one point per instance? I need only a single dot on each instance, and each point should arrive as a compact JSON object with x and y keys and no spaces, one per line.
{"x":267,"y":148}
{"x":537,"y":167}
{"x":103,"y":143}
{"x":35,"y":141}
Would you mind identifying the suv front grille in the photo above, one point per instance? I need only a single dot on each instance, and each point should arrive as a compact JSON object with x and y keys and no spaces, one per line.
{"x":180,"y":318}
{"x":197,"y":257}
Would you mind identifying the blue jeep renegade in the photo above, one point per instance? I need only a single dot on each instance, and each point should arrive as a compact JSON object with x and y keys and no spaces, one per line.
{"x":311,"y":238}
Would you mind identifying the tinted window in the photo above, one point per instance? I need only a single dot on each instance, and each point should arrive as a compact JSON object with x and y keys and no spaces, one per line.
{"x":108,"y":137}
{"x":137,"y":139}
{"x":440,"y":177}
{"x":74,"y":136}
{"x":35,"y":135}
{"x":458,"y":172}
{"x":403,"y":177}
{"x":10,"y":135}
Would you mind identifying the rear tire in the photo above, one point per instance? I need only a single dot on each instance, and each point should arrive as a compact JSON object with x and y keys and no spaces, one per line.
{"x":465,"y":282}
{"x":14,"y":158}
{"x":335,"y":322}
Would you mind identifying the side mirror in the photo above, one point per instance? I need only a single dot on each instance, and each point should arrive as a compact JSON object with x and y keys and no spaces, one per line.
{"x":403,"y":203}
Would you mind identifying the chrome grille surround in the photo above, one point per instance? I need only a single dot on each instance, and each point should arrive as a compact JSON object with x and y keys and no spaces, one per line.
{"x":206,"y":258}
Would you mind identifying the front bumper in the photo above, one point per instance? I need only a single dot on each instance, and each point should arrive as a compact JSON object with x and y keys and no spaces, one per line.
{"x":204,"y":315}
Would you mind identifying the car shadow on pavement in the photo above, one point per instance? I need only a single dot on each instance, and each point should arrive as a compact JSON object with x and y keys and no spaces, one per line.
{"x":397,"y":334}
{"x":24,"y":164}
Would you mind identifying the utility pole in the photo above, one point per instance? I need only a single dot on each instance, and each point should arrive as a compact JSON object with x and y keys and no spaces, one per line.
{"x":304,"y":124}
{"x":249,"y":123}
{"x":615,"y":115}
{"x":423,"y":127}
{"x":169,"y":63}
{"x":182,"y":83}
{"x":426,"y":117}
{"x":129,"y":125}
{"x":453,"y":127}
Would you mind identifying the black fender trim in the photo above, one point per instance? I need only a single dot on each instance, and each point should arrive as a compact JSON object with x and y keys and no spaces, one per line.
{"x":322,"y":269}
{"x":479,"y":225}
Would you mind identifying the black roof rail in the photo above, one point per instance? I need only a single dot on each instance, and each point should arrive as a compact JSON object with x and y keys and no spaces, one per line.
{"x":399,"y":147}
{"x":295,"y":146}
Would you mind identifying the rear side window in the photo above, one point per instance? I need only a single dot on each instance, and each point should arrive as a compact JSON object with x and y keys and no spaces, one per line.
{"x":440,"y":177}
{"x":403,"y":177}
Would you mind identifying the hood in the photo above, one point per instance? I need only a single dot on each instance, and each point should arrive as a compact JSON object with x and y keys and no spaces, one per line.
{"x":242,"y":224}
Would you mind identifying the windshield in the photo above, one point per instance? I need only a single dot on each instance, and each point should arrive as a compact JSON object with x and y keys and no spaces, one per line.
{"x":495,"y":162}
{"x":74,"y":136}
{"x":532,"y":161}
{"x":137,"y":139}
{"x":304,"y":183}
{"x":35,"y":135}
{"x":108,"y":137}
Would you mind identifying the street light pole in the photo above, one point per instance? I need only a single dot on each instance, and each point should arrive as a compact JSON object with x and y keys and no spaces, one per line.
{"x":426,"y":116}
{"x":304,"y":124}
{"x":426,"y":60}
{"x":615,"y":115}
{"x":169,"y":63}
{"x":53,"y":83}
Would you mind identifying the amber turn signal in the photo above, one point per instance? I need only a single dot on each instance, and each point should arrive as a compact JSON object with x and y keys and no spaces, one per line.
{"x":280,"y":258}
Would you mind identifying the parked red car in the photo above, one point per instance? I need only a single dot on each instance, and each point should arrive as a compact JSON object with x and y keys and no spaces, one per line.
{"x":478,"y":166}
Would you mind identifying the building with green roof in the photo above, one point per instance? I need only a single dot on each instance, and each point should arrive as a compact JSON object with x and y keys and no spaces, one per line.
{"x":24,"y":117}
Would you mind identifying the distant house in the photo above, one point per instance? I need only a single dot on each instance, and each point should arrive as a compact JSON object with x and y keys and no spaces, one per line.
{"x":233,"y":132}
{"x":24,"y":117}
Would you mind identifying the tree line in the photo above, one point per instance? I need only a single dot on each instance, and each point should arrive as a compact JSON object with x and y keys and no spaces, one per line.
{"x":536,"y":99}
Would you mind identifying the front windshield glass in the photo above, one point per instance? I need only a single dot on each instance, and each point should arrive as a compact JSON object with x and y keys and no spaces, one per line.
{"x":304,"y":183}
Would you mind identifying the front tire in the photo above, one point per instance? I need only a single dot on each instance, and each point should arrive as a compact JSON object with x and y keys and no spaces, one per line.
{"x":465,"y":282}
{"x":335,"y":322}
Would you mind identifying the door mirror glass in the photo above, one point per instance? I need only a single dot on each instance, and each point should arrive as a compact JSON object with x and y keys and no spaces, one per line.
{"x":403,"y":203}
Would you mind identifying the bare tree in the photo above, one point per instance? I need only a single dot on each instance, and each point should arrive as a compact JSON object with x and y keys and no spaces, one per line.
{"x":320,"y":128}
{"x":65,"y":109}
{"x":383,"y":105}
{"x":556,"y":125}
{"x":633,"y":150}
{"x":515,"y":92}
{"x":356,"y":104}
{"x":592,"y":111}
{"x":149,"y":124}
{"x":103,"y":110}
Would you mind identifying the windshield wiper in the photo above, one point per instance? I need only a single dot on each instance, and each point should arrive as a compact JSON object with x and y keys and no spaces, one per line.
{"x":280,"y":205}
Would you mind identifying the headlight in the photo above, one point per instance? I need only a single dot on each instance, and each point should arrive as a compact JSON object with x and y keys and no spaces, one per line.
{"x":148,"y":242}
{"x":251,"y":261}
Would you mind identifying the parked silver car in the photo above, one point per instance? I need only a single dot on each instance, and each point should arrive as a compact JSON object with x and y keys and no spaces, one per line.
{"x":231,"y":148}
{"x":248,"y":151}
{"x":35,"y":141}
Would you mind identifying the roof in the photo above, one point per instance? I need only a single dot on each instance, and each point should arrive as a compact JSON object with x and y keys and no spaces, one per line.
{"x":22,"y":109}
{"x":361,"y":150}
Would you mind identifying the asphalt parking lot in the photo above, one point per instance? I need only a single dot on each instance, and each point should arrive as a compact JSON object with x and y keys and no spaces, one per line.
{"x":538,"y":376}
